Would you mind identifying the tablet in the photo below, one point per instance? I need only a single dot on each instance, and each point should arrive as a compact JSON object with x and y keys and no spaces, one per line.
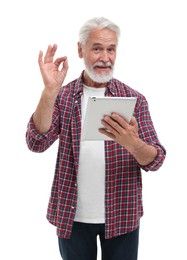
{"x":97,"y":107}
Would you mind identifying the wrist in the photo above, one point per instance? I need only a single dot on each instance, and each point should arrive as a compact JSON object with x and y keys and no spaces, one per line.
{"x":144,"y":153}
{"x":49,"y":94}
{"x":137,"y":147}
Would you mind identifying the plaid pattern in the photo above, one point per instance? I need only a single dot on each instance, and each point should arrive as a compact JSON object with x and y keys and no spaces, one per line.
{"x":123,"y":192}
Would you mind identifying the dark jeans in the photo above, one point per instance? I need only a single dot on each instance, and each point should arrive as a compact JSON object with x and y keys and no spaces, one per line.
{"x":82,"y":244}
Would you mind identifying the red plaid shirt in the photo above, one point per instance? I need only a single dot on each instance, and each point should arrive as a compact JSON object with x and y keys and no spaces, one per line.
{"x":123,"y":190}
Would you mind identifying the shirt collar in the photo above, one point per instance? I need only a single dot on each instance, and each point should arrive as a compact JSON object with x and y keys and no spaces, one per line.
{"x":78,"y":89}
{"x":111,"y":88}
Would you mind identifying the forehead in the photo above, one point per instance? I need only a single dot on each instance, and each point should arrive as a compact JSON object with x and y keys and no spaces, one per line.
{"x":102,"y":36}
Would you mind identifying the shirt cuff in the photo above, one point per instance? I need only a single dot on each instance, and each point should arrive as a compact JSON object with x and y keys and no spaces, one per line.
{"x":158,"y":161}
{"x":33,"y":133}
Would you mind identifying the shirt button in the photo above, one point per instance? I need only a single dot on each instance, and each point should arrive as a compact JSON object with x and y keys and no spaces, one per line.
{"x":76,"y":101}
{"x":72,"y":207}
{"x":75,"y":184}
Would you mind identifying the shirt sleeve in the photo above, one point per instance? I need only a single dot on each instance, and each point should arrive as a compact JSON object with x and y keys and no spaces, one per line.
{"x":148,"y":134}
{"x":37,"y":142}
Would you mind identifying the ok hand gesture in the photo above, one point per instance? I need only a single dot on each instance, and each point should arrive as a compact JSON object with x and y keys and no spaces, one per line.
{"x":53,"y":76}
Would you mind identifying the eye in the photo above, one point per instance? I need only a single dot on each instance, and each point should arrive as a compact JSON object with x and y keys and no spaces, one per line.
{"x":96,"y":49}
{"x":111,"y":49}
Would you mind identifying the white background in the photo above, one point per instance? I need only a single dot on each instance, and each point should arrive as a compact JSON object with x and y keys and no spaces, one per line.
{"x":152,"y":58}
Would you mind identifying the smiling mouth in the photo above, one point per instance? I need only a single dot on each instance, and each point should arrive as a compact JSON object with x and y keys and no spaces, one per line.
{"x":103,"y":67}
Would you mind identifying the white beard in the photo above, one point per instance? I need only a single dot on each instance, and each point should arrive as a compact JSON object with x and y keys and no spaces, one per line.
{"x":102,"y":77}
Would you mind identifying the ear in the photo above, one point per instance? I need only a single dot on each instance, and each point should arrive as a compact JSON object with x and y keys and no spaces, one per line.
{"x":80,"y":51}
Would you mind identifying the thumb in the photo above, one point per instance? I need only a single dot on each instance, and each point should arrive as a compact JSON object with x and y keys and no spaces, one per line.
{"x":134,"y":122}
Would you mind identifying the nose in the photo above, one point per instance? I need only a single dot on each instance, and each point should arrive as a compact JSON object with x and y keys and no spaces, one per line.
{"x":104,"y":56}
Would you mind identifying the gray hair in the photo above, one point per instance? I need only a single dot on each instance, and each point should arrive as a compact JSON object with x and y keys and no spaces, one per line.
{"x":97,"y":22}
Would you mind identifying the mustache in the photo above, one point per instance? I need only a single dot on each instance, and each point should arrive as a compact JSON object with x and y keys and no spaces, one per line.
{"x":103,"y":64}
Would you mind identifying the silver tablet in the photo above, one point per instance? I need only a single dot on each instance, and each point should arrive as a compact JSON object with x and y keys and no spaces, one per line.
{"x":97,"y":107}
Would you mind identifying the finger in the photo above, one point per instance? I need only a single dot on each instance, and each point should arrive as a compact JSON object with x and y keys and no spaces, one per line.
{"x":65,"y":65}
{"x":107,"y":133}
{"x":121,"y":121}
{"x":40,"y":56}
{"x":53,"y":50}
{"x":114,"y":122}
{"x":50,"y":53}
{"x":58,"y":61}
{"x":47,"y":55}
{"x":111,"y":125}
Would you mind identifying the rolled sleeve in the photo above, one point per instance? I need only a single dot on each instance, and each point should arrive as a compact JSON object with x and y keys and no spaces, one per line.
{"x":32,"y":132}
{"x":158,"y":161}
{"x":37,"y":142}
{"x":148,"y":134}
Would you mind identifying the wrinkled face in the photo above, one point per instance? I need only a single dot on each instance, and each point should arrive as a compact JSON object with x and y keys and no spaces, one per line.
{"x":99,"y":56}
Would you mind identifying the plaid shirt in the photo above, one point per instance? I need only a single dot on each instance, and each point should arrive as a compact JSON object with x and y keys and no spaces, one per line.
{"x":123,"y":189}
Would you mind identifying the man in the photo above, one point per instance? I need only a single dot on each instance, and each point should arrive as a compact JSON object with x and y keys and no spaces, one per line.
{"x":97,"y":189}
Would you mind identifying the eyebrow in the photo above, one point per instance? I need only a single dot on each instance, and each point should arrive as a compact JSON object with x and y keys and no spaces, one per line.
{"x":99,"y":44}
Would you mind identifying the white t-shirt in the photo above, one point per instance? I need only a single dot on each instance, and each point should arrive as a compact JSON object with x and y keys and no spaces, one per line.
{"x":91,"y":173}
